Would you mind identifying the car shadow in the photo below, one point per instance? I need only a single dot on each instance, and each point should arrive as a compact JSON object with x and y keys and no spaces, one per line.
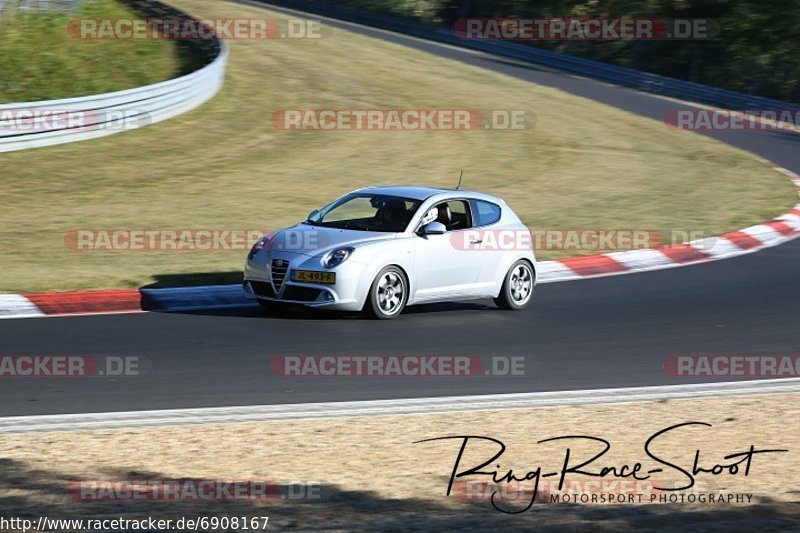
{"x":442,"y":307}
{"x":194,"y":279}
{"x":241,"y":308}
{"x":290,"y":312}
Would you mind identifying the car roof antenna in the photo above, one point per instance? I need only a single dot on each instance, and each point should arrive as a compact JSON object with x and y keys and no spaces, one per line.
{"x":459,"y":180}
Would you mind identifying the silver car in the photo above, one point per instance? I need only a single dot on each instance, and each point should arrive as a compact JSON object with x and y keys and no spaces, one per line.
{"x":379,"y":249}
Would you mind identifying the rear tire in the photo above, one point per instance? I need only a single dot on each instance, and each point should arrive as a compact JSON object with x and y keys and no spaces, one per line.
{"x":517,"y":291}
{"x":388,"y":294}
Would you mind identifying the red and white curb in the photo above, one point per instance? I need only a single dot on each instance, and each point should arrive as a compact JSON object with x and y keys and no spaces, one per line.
{"x":69,"y":303}
{"x":747,"y":240}
{"x":17,"y":306}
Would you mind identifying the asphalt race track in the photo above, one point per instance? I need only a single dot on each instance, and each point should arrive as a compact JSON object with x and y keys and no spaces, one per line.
{"x":616,"y":331}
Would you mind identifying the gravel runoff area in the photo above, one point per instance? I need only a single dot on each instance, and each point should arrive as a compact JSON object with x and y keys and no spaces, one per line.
{"x":367,"y":473}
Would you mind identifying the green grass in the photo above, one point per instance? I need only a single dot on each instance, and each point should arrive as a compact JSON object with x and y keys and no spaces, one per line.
{"x":584,"y":165}
{"x":39,"y":60}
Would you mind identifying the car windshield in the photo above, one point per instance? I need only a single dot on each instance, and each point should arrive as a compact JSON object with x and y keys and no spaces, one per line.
{"x":367,"y":212}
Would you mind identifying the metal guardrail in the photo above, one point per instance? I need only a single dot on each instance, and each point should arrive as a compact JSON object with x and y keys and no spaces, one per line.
{"x":26,"y":125}
{"x":40,"y":6}
{"x":644,"y":81}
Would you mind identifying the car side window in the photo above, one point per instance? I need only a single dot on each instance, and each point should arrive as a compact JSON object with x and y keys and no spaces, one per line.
{"x":454,"y":214}
{"x":486,"y":213}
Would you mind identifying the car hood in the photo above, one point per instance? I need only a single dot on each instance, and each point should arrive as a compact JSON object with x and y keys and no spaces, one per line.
{"x":311,"y":240}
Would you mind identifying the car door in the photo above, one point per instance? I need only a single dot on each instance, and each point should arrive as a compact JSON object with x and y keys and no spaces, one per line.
{"x":442,"y":269}
{"x":494,"y":240}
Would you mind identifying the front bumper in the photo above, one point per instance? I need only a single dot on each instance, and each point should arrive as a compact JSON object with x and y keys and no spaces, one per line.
{"x":349,"y":293}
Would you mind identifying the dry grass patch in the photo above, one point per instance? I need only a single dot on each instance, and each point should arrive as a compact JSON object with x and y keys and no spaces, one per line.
{"x":584,"y":165}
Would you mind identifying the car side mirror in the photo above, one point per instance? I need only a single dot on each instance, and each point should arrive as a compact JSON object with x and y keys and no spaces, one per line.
{"x":312,"y":214}
{"x":433,"y":228}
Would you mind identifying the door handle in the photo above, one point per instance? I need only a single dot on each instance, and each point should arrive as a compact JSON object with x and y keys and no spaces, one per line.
{"x":476,"y":242}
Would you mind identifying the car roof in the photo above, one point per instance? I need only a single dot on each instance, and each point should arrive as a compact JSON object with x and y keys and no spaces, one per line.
{"x":423,"y":193}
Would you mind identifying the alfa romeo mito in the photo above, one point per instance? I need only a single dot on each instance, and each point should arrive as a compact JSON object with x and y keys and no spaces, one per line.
{"x":380,"y":249}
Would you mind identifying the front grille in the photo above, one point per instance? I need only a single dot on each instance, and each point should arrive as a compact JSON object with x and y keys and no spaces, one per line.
{"x":262,"y":289}
{"x":301,"y":294}
{"x":279,"y":268}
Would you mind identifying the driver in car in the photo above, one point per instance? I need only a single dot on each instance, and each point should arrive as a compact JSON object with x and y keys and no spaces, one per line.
{"x":392,"y":216}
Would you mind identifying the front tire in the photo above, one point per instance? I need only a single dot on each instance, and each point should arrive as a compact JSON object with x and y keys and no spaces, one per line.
{"x":388,"y":294}
{"x":517,"y":291}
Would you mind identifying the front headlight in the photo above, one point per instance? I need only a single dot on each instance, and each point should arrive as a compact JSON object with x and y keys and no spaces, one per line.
{"x":337,"y":257}
{"x":261,"y":244}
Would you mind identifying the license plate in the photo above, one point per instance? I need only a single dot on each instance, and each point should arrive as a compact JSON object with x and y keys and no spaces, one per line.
{"x":313,"y":276}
